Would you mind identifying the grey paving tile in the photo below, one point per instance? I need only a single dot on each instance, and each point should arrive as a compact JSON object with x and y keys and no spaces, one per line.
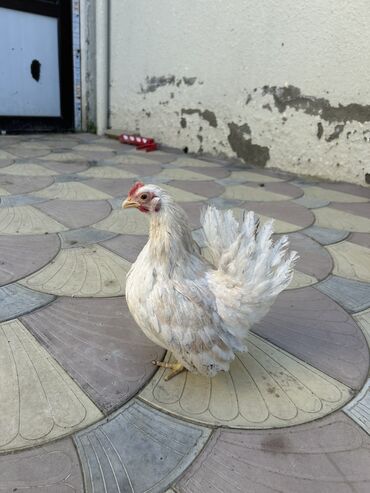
{"x":68,"y":177}
{"x":348,"y":188}
{"x":315,"y":329}
{"x":67,"y":168}
{"x":354,"y":296}
{"x":222,"y":203}
{"x":76,"y":214}
{"x":84,"y":236}
{"x":331,"y":456}
{"x":325,"y":236}
{"x":50,"y":468}
{"x":139,"y":450}
{"x":16,"y":300}
{"x":193,"y":211}
{"x":112,"y":186}
{"x":285,"y":211}
{"x":357,"y":209}
{"x":23,"y":255}
{"x":359,"y":408}
{"x":204,"y":188}
{"x":284,"y":188}
{"x":24,"y":184}
{"x":314,"y":259}
{"x":126,"y":246}
{"x":311,"y":203}
{"x":14,"y":200}
{"x":218,"y":173}
{"x":362,"y":239}
{"x":99,"y":345}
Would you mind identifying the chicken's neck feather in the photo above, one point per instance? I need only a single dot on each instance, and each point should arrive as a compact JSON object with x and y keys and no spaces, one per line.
{"x":170,"y":239}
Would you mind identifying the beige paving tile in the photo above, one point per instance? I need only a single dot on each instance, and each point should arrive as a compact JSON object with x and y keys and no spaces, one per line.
{"x":107,"y":172}
{"x":188,"y":161}
{"x":92,"y":148}
{"x":181,"y":195}
{"x":63,"y":157}
{"x":83,"y":272}
{"x":254,"y":177}
{"x":331,"y":195}
{"x":39,"y":401}
{"x":300,"y":280}
{"x":243,"y":192}
{"x":27,"y":169}
{"x":363,"y":320}
{"x":350,"y":260}
{"x":5,"y":155}
{"x":265,"y":388}
{"x":72,"y":191}
{"x":327,"y":217}
{"x":27,"y":220}
{"x":182,"y":174}
{"x":359,"y":408}
{"x":3,"y":191}
{"x":130,"y":222}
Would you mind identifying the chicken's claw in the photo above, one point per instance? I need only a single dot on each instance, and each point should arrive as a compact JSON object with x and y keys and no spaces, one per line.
{"x":175,"y":367}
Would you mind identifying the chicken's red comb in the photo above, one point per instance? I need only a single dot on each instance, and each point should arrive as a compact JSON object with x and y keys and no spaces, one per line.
{"x":136,"y":187}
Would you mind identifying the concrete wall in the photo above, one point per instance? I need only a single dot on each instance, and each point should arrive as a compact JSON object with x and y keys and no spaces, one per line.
{"x":276,"y":83}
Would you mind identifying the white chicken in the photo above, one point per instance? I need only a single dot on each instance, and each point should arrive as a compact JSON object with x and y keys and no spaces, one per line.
{"x":199,"y":311}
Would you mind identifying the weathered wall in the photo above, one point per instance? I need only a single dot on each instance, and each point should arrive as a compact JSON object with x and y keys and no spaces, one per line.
{"x":278,"y":84}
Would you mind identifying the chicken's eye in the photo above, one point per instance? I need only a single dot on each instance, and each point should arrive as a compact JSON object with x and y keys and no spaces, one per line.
{"x":143,"y":196}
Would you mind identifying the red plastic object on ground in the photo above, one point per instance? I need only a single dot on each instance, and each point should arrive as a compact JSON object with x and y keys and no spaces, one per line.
{"x":141,"y":143}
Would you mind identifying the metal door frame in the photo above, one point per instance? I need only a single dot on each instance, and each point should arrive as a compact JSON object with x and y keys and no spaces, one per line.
{"x":60,"y":9}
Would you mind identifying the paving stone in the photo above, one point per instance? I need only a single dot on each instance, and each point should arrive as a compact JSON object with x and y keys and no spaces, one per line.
{"x":193,"y":211}
{"x":107,"y":172}
{"x":27,"y":220}
{"x":325,"y":236}
{"x":24,"y":184}
{"x":279,"y":225}
{"x":328,"y":217}
{"x":138,"y":450}
{"x":133,"y":159}
{"x":117,"y":187}
{"x":76,"y":214}
{"x":66,"y":167}
{"x":315,"y":329}
{"x":301,"y":280}
{"x":70,"y":178}
{"x":181,"y":195}
{"x":330,"y":456}
{"x":203,"y":188}
{"x":362,"y":210}
{"x":363,"y":320}
{"x":360,"y":239}
{"x":252,"y":176}
{"x":217,"y":173}
{"x":349,"y":188}
{"x":284,"y":188}
{"x":188,"y":161}
{"x":82,"y":272}
{"x":354,"y":296}
{"x":180,"y":174}
{"x":53,"y":467}
{"x":23,"y":255}
{"x":122,"y":221}
{"x":351,"y":261}
{"x":15,"y":200}
{"x":321,"y":193}
{"x":27,"y":169}
{"x":287,"y":212}
{"x":266,"y":387}
{"x":311,"y":203}
{"x":99,"y":345}
{"x":29,"y":149}
{"x":6,"y":157}
{"x":83,"y":237}
{"x":16,"y":300}
{"x":313,"y":260}
{"x":144,"y":169}
{"x":39,"y":402}
{"x":64,"y":157}
{"x":72,"y":191}
{"x":244,"y":192}
{"x":126,"y":246}
{"x":359,"y":408}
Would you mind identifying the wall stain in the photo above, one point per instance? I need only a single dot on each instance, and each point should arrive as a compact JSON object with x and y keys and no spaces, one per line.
{"x":183,"y":122}
{"x":338,"y":129}
{"x":320,"y":130}
{"x":267,"y":107}
{"x":207,"y":115}
{"x":153,"y":83}
{"x":189,"y":81}
{"x":292,"y":97}
{"x":241,"y":143}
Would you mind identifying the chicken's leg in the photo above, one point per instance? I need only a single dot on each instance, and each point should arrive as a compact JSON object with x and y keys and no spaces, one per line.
{"x":175,"y":367}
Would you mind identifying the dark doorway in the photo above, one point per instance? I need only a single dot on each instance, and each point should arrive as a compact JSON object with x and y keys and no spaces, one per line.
{"x":36,"y":66}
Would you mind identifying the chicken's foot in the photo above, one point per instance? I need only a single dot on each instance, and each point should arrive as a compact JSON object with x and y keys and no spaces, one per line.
{"x":175,"y":367}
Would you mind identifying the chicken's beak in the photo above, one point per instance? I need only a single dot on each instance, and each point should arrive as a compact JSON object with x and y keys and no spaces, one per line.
{"x":129,"y":203}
